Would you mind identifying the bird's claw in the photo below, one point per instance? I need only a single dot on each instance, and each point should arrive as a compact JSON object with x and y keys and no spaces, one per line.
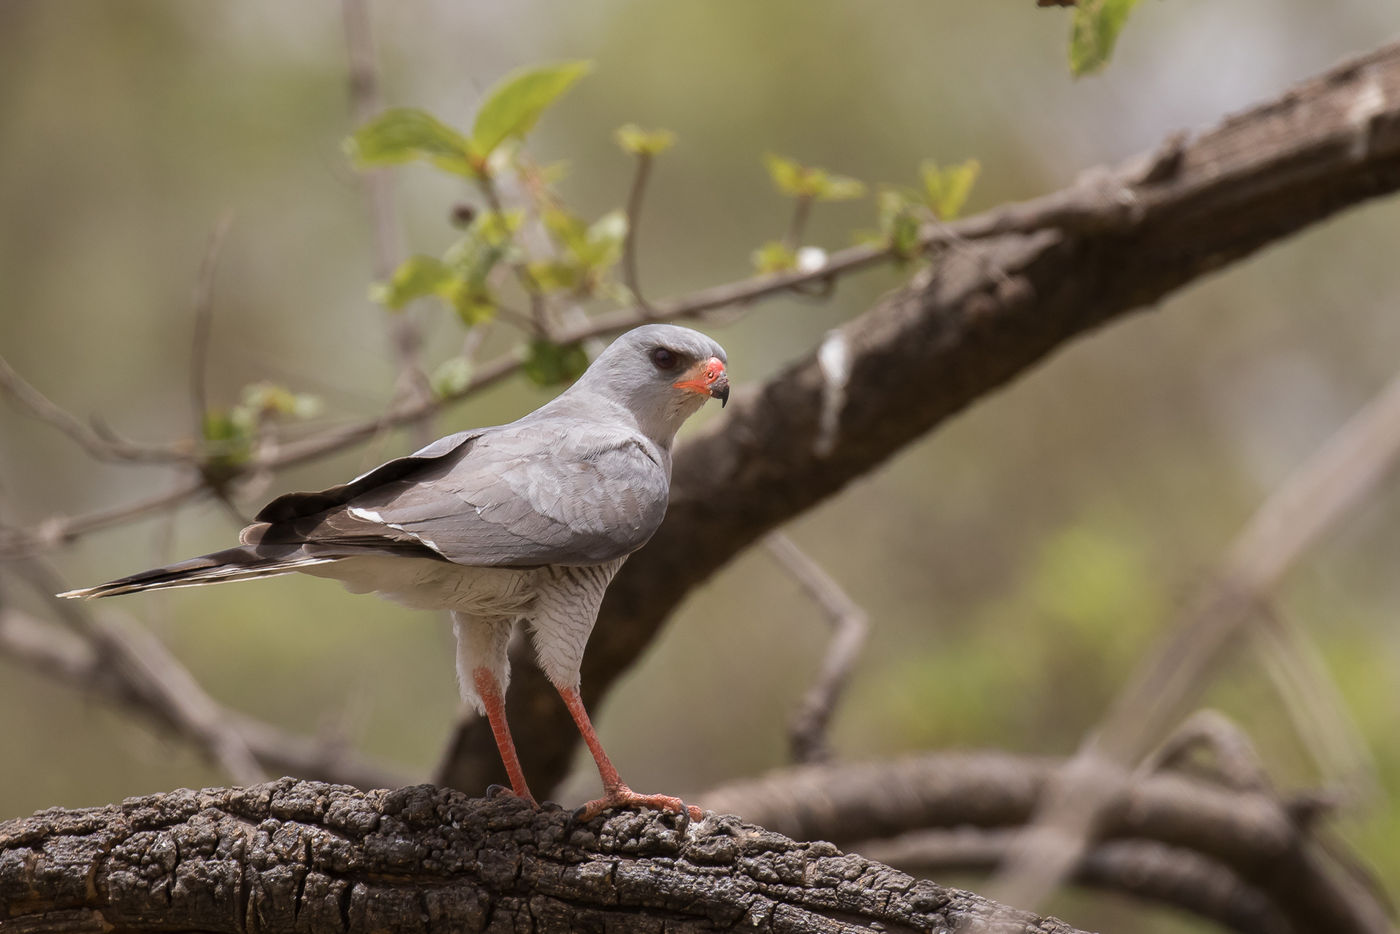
{"x":625,"y":797}
{"x":494,"y":791}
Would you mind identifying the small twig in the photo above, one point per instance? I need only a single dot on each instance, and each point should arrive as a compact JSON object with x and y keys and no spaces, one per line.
{"x":801,"y":210}
{"x":101,"y":447}
{"x":386,"y":235}
{"x":59,"y":530}
{"x":630,"y":276}
{"x":202,"y":305}
{"x":539,"y":310}
{"x":1315,"y":705}
{"x":807,"y":730}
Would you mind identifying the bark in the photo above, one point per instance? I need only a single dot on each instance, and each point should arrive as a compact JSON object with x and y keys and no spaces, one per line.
{"x":1028,"y":279}
{"x":309,"y":857}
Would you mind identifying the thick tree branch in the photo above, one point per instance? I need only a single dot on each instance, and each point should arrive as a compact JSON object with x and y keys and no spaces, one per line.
{"x":303,"y":856}
{"x":1252,"y":835}
{"x":1142,"y":869}
{"x":1041,"y":274}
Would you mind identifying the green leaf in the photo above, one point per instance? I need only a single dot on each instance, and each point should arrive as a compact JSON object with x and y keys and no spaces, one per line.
{"x":640,"y":142}
{"x":553,"y":275}
{"x":470,"y":299}
{"x":603,"y":240}
{"x":787,"y":174}
{"x":804,"y":181}
{"x":946,"y":189}
{"x":1094,"y":32}
{"x":773,"y":257}
{"x":404,"y":134}
{"x":514,"y":104}
{"x":839,"y":188}
{"x":218,"y":425}
{"x":548,"y":364}
{"x":899,"y":226}
{"x":233,"y":439}
{"x":452,"y":377}
{"x":416,"y":276}
{"x":568,"y":229}
{"x":267,"y":400}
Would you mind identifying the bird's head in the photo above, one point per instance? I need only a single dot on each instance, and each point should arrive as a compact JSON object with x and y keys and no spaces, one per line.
{"x":662,"y":373}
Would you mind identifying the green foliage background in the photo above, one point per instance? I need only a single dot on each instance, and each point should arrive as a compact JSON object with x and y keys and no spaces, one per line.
{"x":1015,"y":565}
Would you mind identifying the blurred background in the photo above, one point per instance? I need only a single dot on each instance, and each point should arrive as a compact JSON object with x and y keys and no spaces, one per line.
{"x":1015,"y":565}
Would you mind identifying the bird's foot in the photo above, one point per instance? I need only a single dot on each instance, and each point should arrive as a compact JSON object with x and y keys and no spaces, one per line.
{"x":501,"y":791}
{"x":624,"y":797}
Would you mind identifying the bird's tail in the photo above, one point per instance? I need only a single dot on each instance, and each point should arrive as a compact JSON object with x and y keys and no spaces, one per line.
{"x":233,"y":564}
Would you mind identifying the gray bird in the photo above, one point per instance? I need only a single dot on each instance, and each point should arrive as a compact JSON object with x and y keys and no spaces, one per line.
{"x":525,"y":521}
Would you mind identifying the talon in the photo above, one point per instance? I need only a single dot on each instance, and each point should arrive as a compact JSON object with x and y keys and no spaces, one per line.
{"x":494,"y":791}
{"x":624,"y":797}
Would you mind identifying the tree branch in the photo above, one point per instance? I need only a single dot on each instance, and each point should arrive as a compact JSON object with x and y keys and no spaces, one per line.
{"x":1252,"y":834}
{"x":298,"y":856}
{"x":807,"y":730}
{"x":1031,"y":278}
{"x":1142,"y":869}
{"x":86,"y":661}
{"x":1310,"y":502}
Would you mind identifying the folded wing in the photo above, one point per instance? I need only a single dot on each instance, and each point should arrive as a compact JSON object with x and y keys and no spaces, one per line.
{"x":526,"y":494}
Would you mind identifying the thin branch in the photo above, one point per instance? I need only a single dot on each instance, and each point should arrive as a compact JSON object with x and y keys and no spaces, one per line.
{"x":99,"y":446}
{"x":150,"y":673}
{"x":1319,"y":714}
{"x":539,"y":308}
{"x":202,"y":304}
{"x":82,"y":662}
{"x":60,"y":530}
{"x":630,"y":276}
{"x":1310,"y":502}
{"x":385,"y":234}
{"x":807,"y":730}
{"x":801,"y":211}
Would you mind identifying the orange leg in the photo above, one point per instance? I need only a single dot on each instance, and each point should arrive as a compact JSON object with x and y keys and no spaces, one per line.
{"x":489,"y":690}
{"x":615,"y":791}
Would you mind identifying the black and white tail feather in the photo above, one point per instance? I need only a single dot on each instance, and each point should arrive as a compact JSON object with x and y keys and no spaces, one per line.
{"x":282,"y":541}
{"x":232,"y":564}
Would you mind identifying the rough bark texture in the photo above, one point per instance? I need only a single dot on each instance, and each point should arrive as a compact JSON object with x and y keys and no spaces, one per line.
{"x":304,"y":856}
{"x":1030,"y":278}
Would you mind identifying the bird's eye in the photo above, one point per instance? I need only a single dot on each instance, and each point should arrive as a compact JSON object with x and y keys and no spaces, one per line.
{"x":664,"y":359}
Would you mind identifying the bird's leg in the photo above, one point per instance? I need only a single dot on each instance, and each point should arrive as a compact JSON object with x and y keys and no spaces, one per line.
{"x":615,"y":790}
{"x":489,"y":690}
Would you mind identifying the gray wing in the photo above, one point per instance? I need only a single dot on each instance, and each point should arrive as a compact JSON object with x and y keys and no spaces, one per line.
{"x":526,"y":494}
